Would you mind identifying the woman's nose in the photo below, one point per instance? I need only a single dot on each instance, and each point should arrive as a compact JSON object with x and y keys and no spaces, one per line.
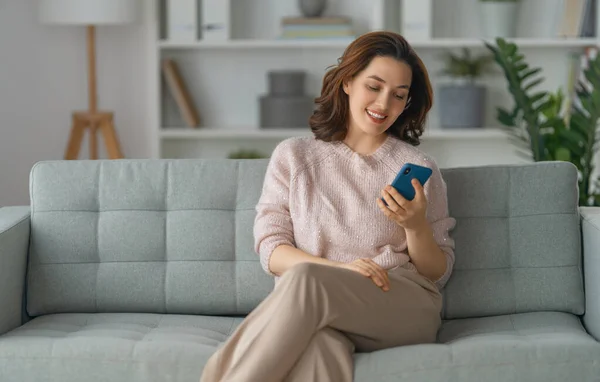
{"x":383,"y":101}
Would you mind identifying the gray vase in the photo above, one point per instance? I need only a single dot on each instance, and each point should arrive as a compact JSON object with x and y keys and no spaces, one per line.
{"x":286,"y":82}
{"x":312,"y":8}
{"x":285,"y":105}
{"x":462,"y":106}
{"x":284,"y":112}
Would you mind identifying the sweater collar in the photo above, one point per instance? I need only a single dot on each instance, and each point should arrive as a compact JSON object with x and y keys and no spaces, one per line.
{"x":384,"y":150}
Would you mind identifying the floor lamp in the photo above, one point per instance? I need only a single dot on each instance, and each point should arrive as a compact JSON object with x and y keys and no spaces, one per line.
{"x":90,"y":13}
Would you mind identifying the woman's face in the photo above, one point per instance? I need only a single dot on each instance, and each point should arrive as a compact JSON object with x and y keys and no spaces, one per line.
{"x":378,"y":95}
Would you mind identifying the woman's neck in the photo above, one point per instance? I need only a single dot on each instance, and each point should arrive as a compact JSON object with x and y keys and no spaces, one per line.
{"x":363,"y":144}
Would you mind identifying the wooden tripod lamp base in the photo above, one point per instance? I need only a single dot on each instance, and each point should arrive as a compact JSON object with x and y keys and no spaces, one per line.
{"x":88,"y":14}
{"x":92,"y":122}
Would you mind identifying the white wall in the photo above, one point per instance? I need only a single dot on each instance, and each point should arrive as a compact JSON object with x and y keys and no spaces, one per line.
{"x":43,"y":78}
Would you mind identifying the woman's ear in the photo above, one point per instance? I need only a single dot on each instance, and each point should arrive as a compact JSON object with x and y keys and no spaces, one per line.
{"x":346,"y":87}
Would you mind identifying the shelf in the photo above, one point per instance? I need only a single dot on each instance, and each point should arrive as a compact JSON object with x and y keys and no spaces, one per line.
{"x":342,"y":43}
{"x":283,"y":133}
{"x":239,"y":133}
{"x":251,"y":44}
{"x":521,"y":42}
{"x":464,"y":133}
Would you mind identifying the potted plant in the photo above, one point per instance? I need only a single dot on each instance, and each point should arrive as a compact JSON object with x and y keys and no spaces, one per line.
{"x":462,"y":102}
{"x":246,"y":154}
{"x":498,"y":17}
{"x":547,"y":126}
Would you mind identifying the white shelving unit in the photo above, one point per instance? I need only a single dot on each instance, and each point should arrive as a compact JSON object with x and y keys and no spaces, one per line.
{"x":438,"y":43}
{"x":226,"y":78}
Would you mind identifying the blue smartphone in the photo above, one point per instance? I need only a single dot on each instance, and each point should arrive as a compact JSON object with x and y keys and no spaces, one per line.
{"x":408,"y":172}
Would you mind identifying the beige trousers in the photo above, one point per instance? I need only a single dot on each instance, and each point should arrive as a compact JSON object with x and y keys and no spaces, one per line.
{"x":316,"y":317}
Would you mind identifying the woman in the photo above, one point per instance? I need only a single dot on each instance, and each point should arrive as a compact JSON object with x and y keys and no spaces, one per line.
{"x":352,"y":274}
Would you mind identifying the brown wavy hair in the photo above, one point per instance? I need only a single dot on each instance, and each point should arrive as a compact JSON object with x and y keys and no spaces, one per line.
{"x":329,"y":121}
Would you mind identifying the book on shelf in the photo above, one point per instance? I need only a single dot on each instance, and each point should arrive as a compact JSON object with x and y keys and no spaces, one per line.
{"x":190,"y":20}
{"x":181,"y":22}
{"x":577,"y":18}
{"x":214,"y":20}
{"x":180,"y":93}
{"x":416,"y":19}
{"x":329,"y":27}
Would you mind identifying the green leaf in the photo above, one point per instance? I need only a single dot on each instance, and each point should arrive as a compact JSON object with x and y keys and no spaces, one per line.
{"x":529,"y":73}
{"x":518,"y":58}
{"x":533,"y":84}
{"x":572,"y":136}
{"x":505,"y":117}
{"x":575,"y":148}
{"x":587,"y":103}
{"x":537,"y":97}
{"x":596,"y":98}
{"x":491,"y":47}
{"x":578,"y":122}
{"x":466,"y":65}
{"x":521,"y":67}
{"x":530,"y":111}
{"x":556,"y":123}
{"x":592,"y":74}
{"x":562,"y":154}
{"x":546,"y":108}
{"x":501,"y":42}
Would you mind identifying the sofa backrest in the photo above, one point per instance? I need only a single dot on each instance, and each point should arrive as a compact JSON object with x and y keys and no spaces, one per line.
{"x":518,"y":244}
{"x":175,"y":236}
{"x":164,"y":236}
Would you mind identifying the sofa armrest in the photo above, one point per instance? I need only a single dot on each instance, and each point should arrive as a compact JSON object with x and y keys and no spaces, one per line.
{"x":14,"y":246}
{"x":590,"y":231}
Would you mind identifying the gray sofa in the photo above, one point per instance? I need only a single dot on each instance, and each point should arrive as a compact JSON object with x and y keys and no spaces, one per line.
{"x":136,"y":270}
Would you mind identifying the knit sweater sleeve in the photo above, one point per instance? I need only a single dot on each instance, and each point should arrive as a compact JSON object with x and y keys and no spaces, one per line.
{"x":441,"y":222}
{"x":273,"y":223}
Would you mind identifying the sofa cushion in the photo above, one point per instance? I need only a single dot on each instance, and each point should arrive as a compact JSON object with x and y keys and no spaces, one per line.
{"x":150,"y":236}
{"x":518,"y":246}
{"x":544,"y":346}
{"x":119,"y":347}
{"x":175,"y":236}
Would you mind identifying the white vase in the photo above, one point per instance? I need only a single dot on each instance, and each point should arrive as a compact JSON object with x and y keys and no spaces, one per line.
{"x":498,"y":19}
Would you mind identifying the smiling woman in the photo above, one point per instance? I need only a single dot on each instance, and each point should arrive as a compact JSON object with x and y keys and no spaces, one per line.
{"x":379,"y":79}
{"x":352,"y":273}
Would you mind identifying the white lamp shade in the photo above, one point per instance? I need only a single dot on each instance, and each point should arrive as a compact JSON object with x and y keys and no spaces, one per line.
{"x":88,"y":12}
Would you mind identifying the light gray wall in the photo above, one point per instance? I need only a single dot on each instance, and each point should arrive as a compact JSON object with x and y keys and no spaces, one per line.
{"x":43,"y":78}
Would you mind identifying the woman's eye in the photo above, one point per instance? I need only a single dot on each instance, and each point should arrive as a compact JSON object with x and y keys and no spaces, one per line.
{"x":400,"y":97}
{"x":372,"y":88}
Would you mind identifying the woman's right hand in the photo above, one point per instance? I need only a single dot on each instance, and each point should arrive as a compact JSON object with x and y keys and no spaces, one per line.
{"x":369,"y":268}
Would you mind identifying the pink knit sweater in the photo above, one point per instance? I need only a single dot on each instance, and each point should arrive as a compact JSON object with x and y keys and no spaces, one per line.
{"x":321,"y":198}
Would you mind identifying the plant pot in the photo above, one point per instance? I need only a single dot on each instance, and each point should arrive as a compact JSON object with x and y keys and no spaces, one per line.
{"x":498,"y":19}
{"x":462,"y":106}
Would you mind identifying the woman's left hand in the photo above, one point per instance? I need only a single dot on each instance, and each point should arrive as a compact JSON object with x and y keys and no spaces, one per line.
{"x":409,"y":214}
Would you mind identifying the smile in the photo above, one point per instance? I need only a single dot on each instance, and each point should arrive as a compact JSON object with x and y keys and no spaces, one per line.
{"x":376,"y":117}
